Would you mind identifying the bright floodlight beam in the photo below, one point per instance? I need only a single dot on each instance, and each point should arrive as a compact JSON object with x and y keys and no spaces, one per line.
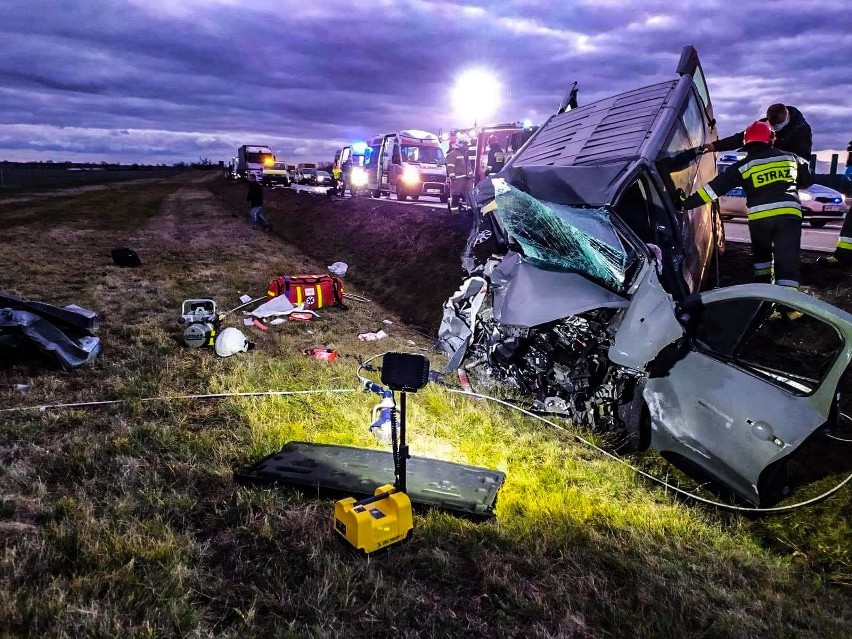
{"x":476,"y":95}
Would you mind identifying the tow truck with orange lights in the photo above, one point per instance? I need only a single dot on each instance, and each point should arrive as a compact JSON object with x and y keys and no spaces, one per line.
{"x":251,"y":158}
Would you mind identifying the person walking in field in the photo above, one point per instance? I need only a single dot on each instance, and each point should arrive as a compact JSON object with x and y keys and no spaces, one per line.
{"x":255,"y":200}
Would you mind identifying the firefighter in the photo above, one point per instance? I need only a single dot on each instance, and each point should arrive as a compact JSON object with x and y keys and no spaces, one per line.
{"x":336,"y":173}
{"x":842,"y":256}
{"x":770,"y":178}
{"x":792,"y":133}
{"x":496,"y":156}
{"x":458,"y":172}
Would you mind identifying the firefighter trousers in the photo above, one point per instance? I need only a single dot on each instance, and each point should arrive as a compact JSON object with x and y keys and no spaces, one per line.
{"x":775,"y":243}
{"x":843,"y":250}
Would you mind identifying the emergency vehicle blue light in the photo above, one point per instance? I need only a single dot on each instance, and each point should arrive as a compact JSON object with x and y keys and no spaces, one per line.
{"x":837,"y":200}
{"x":359,"y":147}
{"x":728,"y":158}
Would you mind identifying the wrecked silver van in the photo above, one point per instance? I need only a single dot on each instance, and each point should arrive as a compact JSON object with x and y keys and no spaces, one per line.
{"x":584,"y":296}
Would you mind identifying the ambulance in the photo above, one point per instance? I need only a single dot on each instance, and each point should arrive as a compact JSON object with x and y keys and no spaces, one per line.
{"x":409,"y":164}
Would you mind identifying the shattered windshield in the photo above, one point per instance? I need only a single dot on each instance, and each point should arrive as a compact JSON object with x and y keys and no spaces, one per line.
{"x":563,"y":238}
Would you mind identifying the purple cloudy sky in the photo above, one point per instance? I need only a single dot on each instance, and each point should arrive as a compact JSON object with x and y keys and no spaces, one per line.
{"x":162,"y":81}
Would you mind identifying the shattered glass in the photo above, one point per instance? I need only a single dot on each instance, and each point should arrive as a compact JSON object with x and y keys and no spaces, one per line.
{"x":564,"y":238}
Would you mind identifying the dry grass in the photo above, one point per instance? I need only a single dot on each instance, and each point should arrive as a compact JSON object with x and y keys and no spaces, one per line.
{"x":124,"y":521}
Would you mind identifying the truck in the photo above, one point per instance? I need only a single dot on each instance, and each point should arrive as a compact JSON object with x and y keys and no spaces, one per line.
{"x":251,"y":158}
{"x":407,"y":163}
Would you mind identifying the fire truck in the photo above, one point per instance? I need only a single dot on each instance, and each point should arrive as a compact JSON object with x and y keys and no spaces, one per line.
{"x":511,"y":136}
{"x":408,"y":163}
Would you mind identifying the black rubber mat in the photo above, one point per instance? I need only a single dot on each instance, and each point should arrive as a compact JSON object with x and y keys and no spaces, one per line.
{"x":359,"y":471}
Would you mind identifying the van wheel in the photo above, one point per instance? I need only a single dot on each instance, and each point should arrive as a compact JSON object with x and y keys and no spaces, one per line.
{"x":445,"y":198}
{"x":415,"y":197}
{"x":817,"y":224}
{"x":401,"y":196}
{"x":376,"y":193}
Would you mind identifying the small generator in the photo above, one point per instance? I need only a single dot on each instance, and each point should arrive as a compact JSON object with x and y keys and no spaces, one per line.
{"x":201,"y":321}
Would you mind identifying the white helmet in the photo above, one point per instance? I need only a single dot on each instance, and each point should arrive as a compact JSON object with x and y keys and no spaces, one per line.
{"x":230,"y":341}
{"x":462,"y":141}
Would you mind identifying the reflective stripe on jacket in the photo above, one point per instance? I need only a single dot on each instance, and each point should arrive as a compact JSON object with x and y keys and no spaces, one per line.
{"x":769,"y":178}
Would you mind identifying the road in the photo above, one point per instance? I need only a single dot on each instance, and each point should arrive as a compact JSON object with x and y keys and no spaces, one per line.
{"x":813,"y":239}
{"x":736,"y":230}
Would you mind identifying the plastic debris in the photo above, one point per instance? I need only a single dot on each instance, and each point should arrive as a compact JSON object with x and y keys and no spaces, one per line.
{"x":301,"y":316}
{"x":372,"y":337}
{"x":245,"y":299}
{"x":277,"y":321}
{"x":325,"y":354}
{"x":278,"y":305}
{"x":247,"y":321}
{"x":387,"y":321}
{"x":338,"y":268}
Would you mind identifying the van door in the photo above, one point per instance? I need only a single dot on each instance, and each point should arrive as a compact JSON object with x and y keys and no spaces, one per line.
{"x":384,"y":173}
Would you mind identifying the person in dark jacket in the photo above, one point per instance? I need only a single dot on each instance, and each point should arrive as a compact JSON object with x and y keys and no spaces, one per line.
{"x":255,"y":200}
{"x":496,"y":156}
{"x":792,"y":133}
{"x":770,"y":178}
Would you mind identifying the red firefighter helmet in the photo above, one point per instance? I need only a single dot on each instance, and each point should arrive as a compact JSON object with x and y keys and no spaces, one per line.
{"x":759,"y":132}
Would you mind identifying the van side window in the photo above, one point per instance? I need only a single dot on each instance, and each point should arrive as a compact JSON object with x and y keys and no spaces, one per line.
{"x":678,"y":179}
{"x":693,"y":120}
{"x":701,"y":86}
{"x":632,"y":207}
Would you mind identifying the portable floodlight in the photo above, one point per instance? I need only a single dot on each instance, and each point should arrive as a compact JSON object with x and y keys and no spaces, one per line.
{"x":381,"y":513}
{"x":386,"y":518}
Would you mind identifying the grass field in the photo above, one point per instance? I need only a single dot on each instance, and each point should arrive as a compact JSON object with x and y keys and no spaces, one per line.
{"x":124,"y":520}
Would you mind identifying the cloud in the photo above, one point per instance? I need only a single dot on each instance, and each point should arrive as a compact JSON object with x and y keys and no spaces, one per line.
{"x":198,"y":78}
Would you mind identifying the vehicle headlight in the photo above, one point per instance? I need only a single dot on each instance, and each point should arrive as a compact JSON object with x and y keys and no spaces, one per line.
{"x":320,"y":178}
{"x":358,"y":176}
{"x":804,"y":197}
{"x":410,"y":175}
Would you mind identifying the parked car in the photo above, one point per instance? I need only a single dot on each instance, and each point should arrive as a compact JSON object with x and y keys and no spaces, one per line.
{"x":820,"y":204}
{"x":584,"y":296}
{"x":321,"y":178}
{"x":307,"y":176}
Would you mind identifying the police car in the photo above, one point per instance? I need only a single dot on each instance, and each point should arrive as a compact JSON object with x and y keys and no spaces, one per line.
{"x":820,"y":204}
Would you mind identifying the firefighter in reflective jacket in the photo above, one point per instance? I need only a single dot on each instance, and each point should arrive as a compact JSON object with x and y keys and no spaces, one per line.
{"x":842,"y":256}
{"x":496,"y":156}
{"x":770,"y":178}
{"x":458,"y":172}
